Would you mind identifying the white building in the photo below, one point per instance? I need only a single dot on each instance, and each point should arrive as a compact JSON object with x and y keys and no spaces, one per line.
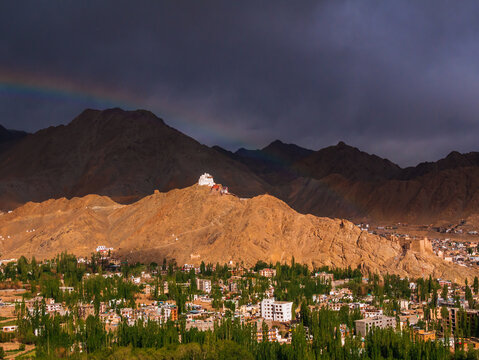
{"x":206,"y":180}
{"x":68,"y":289}
{"x":10,"y":328}
{"x":276,"y":310}
{"x":103,"y":249}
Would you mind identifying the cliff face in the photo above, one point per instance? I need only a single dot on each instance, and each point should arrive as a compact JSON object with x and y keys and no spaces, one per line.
{"x":194,"y":224}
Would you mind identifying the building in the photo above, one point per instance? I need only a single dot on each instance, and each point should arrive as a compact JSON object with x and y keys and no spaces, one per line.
{"x":218,"y":188}
{"x":85,"y":310}
{"x":324,"y":277}
{"x":203,"y":285}
{"x":102,"y":249}
{"x":470,"y":343}
{"x":126,"y":312}
{"x":201,"y":325}
{"x":10,"y":328}
{"x":148,"y":289}
{"x":173,"y":313}
{"x":233,"y":287}
{"x":206,"y":180}
{"x":55,"y":308}
{"x":276,"y":310}
{"x":189,"y":267}
{"x":68,"y":289}
{"x":425,"y":335}
{"x":453,"y":321}
{"x":267,"y":272}
{"x":407,"y":320}
{"x":336,"y":306}
{"x":371,"y":312}
{"x":363,"y":326}
{"x":404,"y":304}
{"x":272,"y":333}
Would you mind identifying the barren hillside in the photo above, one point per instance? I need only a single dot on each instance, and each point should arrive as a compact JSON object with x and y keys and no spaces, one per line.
{"x":194,"y":224}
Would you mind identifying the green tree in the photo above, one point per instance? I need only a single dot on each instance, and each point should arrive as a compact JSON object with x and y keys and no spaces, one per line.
{"x":445,"y":291}
{"x":468,"y":296}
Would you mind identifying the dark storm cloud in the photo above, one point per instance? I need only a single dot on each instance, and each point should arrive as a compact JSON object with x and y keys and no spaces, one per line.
{"x":396,"y":78}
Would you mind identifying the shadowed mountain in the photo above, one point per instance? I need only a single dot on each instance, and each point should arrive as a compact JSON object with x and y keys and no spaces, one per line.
{"x":122,"y":154}
{"x":451,"y":193}
{"x":342,"y":181}
{"x":9,"y":137}
{"x":347,"y":161}
{"x":452,"y":161}
{"x":273,"y":163}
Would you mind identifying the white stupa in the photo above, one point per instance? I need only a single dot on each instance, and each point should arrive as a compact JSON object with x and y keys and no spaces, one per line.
{"x":206,"y":180}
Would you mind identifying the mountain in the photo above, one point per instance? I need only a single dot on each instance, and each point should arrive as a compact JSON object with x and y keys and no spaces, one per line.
{"x":9,"y":137}
{"x":342,"y":181}
{"x":196,"y":224}
{"x":447,"y":189}
{"x":274,"y":162}
{"x":122,"y":154}
{"x":126,"y":155}
{"x":347,"y":161}
{"x":277,"y":154}
{"x":452,"y":161}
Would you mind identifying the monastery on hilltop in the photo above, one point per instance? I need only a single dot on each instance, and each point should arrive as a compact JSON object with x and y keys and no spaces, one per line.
{"x":207,"y":180}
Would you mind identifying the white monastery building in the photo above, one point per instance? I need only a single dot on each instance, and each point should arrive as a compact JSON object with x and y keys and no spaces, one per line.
{"x":206,"y":180}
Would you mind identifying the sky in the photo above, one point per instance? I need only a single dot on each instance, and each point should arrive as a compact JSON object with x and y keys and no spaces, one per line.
{"x":396,"y":78}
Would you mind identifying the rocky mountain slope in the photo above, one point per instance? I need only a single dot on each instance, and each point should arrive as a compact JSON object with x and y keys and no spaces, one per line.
{"x":195,"y":224}
{"x":342,"y":181}
{"x":122,"y":154}
{"x":447,"y":194}
{"x":9,"y":137}
{"x":347,"y":161}
{"x":274,"y":163}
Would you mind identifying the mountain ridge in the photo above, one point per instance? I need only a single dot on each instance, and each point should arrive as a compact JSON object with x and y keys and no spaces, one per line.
{"x":10,"y":137}
{"x":123,"y":154}
{"x":129,"y":154}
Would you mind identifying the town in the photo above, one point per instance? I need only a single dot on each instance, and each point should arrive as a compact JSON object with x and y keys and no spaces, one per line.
{"x":69,"y":306}
{"x":458,"y":243}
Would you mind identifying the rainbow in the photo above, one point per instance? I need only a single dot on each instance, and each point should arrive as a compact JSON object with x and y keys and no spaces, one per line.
{"x":61,"y":88}
{"x":56,"y":88}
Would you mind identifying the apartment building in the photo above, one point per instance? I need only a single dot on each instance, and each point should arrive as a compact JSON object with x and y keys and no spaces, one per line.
{"x":276,"y":310}
{"x":363,"y":326}
{"x":203,"y":285}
